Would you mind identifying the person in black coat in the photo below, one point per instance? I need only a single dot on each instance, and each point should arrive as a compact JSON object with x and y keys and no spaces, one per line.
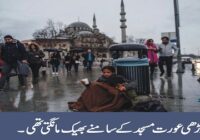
{"x":76,"y":59}
{"x":35,"y":60}
{"x":12,"y":52}
{"x":55,"y":62}
{"x":68,"y":62}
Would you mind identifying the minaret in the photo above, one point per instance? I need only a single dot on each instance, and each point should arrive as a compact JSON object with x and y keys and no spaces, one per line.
{"x":96,"y":30}
{"x":123,"y":22}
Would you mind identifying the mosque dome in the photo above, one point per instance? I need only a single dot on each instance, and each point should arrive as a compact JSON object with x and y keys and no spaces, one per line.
{"x":79,"y":26}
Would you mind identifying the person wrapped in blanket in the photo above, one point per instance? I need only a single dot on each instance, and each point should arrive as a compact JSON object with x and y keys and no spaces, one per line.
{"x":107,"y":94}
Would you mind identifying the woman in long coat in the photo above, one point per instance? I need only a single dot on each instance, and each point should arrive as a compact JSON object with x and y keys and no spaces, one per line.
{"x":35,"y":60}
{"x":152,"y":56}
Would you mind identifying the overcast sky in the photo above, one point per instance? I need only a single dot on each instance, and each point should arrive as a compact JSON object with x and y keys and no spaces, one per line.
{"x":145,"y":18}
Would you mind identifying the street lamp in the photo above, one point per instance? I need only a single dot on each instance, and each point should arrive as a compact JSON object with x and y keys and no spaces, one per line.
{"x":177,"y":25}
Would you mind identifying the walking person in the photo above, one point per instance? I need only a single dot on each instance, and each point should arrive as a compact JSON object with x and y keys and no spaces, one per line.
{"x":84,"y":60}
{"x":35,"y":60}
{"x":13,"y":52}
{"x":76,"y":62}
{"x":166,"y":55}
{"x":152,"y":56}
{"x":89,"y":57}
{"x":55,"y":62}
{"x":68,"y":62}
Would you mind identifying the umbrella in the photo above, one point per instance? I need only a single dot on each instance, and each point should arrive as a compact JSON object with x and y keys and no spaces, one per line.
{"x":77,"y":50}
{"x":127,"y":47}
{"x":52,"y":50}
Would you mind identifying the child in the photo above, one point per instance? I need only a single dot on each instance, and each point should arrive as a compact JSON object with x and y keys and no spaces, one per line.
{"x":106,"y":94}
{"x":109,"y":77}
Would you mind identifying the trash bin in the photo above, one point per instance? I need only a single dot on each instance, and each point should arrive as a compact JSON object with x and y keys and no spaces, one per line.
{"x":133,"y":68}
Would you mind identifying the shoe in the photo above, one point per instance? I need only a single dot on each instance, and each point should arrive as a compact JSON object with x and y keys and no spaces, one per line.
{"x":198,"y":80}
{"x":53,"y":73}
{"x":56,"y":73}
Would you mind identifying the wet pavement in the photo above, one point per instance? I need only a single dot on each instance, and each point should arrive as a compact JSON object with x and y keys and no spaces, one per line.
{"x":181,"y":93}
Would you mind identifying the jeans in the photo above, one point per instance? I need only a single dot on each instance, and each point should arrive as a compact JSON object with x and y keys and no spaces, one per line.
{"x":68,"y":66}
{"x":55,"y":68}
{"x":6,"y":69}
{"x":35,"y":70}
{"x":168,"y":61}
{"x":152,"y":68}
{"x":89,"y":65}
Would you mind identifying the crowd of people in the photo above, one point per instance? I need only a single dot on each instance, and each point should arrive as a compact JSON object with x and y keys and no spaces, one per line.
{"x":29,"y":60}
{"x":110,"y":89}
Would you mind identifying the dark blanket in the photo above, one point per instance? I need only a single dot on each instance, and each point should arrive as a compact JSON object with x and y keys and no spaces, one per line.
{"x":99,"y":97}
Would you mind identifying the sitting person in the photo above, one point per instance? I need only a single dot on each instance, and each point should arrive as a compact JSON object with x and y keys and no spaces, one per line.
{"x":107,"y":94}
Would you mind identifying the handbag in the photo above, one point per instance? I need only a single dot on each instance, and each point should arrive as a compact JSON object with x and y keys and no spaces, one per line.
{"x":23,"y":68}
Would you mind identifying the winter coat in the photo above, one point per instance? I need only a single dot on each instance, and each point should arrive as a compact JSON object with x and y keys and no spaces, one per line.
{"x":152,"y":54}
{"x":13,"y":52}
{"x":87,"y":57}
{"x":35,"y":57}
{"x":167,"y":50}
{"x":55,"y":59}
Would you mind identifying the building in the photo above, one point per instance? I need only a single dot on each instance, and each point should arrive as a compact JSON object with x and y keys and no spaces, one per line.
{"x":78,"y":35}
{"x":81,"y":35}
{"x":61,"y":44}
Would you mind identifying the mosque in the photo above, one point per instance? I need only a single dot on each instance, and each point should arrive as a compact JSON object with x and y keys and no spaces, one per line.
{"x":79,"y":35}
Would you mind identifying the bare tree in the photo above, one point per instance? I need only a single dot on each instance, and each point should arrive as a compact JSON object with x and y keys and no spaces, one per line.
{"x":50,"y":31}
{"x":40,"y":34}
{"x":60,"y":26}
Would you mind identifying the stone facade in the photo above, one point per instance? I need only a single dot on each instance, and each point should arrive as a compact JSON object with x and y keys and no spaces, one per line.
{"x":78,"y":35}
{"x":83,"y":36}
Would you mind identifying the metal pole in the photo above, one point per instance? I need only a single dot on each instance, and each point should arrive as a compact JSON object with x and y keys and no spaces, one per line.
{"x":177,"y":25}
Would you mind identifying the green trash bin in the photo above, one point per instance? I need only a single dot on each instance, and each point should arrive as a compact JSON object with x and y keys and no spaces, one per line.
{"x":133,"y":68}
